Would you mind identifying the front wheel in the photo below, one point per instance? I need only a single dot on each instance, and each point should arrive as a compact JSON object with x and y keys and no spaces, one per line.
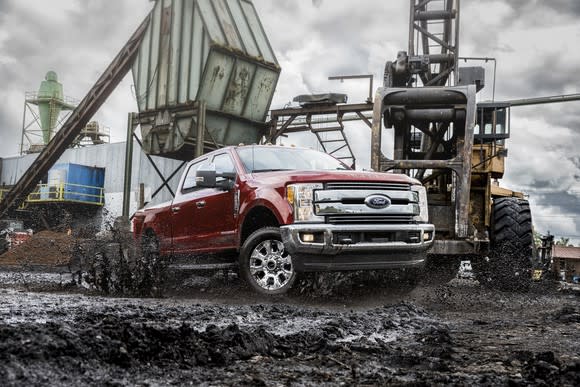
{"x":265,"y":264}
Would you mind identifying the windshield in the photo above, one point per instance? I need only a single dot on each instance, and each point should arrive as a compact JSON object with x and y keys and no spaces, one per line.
{"x":276,"y":158}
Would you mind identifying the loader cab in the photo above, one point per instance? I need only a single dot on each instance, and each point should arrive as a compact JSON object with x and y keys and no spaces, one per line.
{"x":491,"y":130}
{"x":493,"y":122}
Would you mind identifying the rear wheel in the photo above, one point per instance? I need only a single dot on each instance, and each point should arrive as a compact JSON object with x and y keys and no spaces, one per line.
{"x":150,"y":270}
{"x":265,"y":264}
{"x":509,"y":264}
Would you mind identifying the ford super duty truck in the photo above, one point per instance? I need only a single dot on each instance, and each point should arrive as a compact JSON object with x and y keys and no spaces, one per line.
{"x":276,"y":211}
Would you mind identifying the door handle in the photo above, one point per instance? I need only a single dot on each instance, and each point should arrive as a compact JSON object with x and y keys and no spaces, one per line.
{"x":175,"y":209}
{"x":200,"y":204}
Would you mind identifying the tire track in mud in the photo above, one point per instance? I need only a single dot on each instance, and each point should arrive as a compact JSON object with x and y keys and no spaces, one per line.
{"x":456,"y":334}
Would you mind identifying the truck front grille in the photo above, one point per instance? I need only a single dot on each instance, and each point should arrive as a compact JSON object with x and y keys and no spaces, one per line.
{"x":346,"y":203}
{"x":377,"y":237}
{"x":367,"y":219}
{"x":367,"y":186}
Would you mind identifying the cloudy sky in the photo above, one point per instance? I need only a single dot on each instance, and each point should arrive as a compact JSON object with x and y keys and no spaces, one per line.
{"x":534,"y":41}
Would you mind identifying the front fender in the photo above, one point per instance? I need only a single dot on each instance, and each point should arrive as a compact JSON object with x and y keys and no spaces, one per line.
{"x":270,"y":199}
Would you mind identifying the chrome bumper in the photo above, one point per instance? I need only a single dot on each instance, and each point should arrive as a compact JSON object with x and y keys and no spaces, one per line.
{"x":369,"y":247}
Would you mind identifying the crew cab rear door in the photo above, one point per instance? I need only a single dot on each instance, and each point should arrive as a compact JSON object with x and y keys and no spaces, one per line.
{"x":183,"y":209}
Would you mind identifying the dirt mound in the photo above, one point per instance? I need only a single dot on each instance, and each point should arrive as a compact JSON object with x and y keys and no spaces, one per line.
{"x":46,"y":248}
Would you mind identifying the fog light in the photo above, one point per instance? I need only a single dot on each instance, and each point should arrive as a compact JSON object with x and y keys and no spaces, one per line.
{"x":309,"y":238}
{"x":426,"y":236}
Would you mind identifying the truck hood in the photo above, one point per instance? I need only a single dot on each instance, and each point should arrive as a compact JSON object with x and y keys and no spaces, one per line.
{"x":282,"y":177}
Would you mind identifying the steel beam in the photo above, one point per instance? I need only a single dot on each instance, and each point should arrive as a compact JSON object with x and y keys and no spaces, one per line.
{"x":128,"y":165}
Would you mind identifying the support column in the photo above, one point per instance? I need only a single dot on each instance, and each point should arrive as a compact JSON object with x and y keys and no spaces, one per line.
{"x":200,"y":135}
{"x":128,"y":166}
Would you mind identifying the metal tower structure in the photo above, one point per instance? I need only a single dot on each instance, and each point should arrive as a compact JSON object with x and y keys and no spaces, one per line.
{"x":44,"y":113}
{"x":433,"y":50}
{"x":75,"y":123}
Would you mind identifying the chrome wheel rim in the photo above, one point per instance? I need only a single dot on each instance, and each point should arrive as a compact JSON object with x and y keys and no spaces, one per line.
{"x":270,"y":265}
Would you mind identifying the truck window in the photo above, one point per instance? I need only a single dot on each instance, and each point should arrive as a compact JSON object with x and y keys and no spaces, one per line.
{"x":276,"y":158}
{"x":189,"y":182}
{"x":223,"y":163}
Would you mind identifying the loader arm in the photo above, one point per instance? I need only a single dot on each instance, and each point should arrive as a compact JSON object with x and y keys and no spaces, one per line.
{"x":443,"y":119}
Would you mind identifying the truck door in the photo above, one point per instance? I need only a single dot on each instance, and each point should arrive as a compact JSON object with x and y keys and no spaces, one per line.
{"x":203,"y":218}
{"x":183,"y":210}
{"x":218,"y":230}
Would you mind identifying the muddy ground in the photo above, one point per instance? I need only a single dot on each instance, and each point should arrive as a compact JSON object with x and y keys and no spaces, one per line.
{"x":213,"y":331}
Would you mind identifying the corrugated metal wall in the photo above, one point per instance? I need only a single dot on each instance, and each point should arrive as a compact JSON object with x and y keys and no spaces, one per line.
{"x":204,"y":50}
{"x":176,"y":49}
{"x":112,"y":158}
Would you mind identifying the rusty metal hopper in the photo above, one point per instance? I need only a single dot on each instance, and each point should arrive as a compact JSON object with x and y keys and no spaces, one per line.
{"x":205,"y":71}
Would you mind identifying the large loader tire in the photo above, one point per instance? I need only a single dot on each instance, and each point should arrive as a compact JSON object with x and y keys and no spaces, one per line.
{"x":509,"y":264}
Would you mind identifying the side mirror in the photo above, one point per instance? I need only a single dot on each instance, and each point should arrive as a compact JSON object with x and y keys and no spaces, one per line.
{"x":207,"y":177}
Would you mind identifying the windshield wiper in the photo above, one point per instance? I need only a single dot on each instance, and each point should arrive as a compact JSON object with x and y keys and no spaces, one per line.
{"x":271,"y":170}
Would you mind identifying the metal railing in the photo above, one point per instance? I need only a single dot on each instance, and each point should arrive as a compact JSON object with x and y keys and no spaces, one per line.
{"x":63,"y":193}
{"x":33,"y":96}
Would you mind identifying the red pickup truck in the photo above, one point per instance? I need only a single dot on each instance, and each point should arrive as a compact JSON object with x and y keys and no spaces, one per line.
{"x":276,"y":211}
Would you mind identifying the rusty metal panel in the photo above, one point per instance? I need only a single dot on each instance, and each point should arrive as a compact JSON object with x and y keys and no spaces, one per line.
{"x":227,"y":24}
{"x":210,"y":21}
{"x":239,"y":88}
{"x":173,"y":83}
{"x":216,"y":78}
{"x":153,"y":49}
{"x":185,"y":63}
{"x":141,"y":72}
{"x":243,"y":27}
{"x":228,"y":131}
{"x":261,"y":92}
{"x":258,"y":31}
{"x":198,"y":55}
{"x":165,"y":54}
{"x":211,"y":51}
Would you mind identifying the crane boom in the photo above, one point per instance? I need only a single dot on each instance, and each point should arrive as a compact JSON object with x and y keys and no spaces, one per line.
{"x":544,"y":100}
{"x":90,"y":104}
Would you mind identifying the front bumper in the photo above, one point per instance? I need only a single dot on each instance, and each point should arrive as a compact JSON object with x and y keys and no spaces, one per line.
{"x":357,"y":247}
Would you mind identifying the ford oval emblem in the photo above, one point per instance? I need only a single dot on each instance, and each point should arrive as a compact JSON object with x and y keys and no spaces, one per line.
{"x":377,"y":201}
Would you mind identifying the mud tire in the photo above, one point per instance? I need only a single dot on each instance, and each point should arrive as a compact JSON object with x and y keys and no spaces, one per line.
{"x":258,"y":240}
{"x":508,"y":266}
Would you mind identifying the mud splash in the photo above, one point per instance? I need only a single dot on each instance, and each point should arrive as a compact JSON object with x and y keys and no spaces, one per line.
{"x":72,"y":339}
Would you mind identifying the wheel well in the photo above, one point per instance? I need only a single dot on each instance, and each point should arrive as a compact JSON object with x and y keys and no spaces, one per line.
{"x":147,"y":232}
{"x":256,"y":219}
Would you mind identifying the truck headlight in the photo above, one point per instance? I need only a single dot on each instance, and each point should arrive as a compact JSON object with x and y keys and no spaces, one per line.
{"x":423,"y":216}
{"x":301,"y":198}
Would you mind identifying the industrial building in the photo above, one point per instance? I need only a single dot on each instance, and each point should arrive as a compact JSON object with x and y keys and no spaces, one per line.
{"x":110,"y":157}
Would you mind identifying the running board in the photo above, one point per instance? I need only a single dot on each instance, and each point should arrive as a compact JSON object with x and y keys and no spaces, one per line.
{"x":203,"y":267}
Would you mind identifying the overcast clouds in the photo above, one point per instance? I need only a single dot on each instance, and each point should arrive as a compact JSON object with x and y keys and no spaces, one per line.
{"x":535,"y":43}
